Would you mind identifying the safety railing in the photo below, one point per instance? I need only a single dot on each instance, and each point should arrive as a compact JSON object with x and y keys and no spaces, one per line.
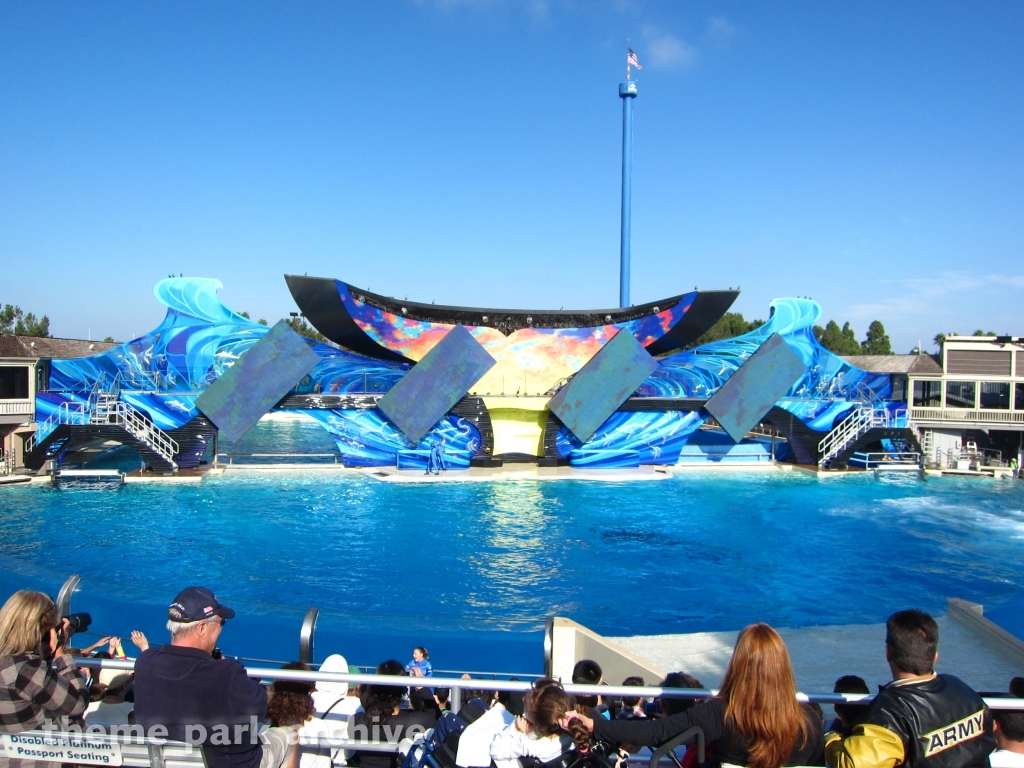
{"x":66,"y":413}
{"x":886,"y":459}
{"x":141,"y":428}
{"x":270,"y":674}
{"x":15,"y":408}
{"x":960,"y":415}
{"x":863,"y":418}
{"x":232,"y":456}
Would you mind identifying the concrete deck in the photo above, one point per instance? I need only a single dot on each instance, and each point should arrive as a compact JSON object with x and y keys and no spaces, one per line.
{"x":821,"y":655}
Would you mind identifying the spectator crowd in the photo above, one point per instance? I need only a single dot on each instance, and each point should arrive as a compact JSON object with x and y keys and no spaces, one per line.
{"x":186,"y":691}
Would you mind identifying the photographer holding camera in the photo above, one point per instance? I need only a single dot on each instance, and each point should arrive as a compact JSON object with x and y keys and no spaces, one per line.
{"x":39,"y":681}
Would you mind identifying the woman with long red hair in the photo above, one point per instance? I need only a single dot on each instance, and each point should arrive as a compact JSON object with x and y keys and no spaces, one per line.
{"x":754,"y":721}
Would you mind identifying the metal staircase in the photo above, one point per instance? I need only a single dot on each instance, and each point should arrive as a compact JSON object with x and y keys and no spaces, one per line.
{"x":864,"y":418}
{"x":105,"y":409}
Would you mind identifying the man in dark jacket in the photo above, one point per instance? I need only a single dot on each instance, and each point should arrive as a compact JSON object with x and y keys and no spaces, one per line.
{"x":920,"y":719}
{"x":200,"y":699}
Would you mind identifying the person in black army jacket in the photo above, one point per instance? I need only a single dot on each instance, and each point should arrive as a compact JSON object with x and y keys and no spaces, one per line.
{"x":920,"y":719}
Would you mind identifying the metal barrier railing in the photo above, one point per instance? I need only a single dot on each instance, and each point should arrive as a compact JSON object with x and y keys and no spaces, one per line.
{"x":232,"y":456}
{"x":650,"y":691}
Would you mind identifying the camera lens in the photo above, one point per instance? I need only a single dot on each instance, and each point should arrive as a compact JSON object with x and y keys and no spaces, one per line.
{"x":78,"y":622}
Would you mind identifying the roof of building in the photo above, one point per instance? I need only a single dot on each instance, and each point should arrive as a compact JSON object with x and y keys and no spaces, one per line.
{"x":33,"y":346}
{"x":919,"y":364}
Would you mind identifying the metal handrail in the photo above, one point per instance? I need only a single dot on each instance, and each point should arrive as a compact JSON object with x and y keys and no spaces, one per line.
{"x":650,"y":691}
{"x":63,"y":415}
{"x":863,"y":418}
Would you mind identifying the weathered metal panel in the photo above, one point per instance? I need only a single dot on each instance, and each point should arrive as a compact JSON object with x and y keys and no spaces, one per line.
{"x":257,"y":381}
{"x":602,"y":385}
{"x":436,"y":383}
{"x":757,"y":385}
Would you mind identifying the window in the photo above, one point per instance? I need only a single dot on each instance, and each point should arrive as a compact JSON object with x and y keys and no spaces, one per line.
{"x":1019,"y":401}
{"x":14,"y":383}
{"x":928,"y":394}
{"x":899,"y":389}
{"x":959,"y":394}
{"x":995,"y":394}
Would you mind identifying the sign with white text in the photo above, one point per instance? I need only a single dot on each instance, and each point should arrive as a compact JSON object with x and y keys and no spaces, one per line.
{"x":61,"y":748}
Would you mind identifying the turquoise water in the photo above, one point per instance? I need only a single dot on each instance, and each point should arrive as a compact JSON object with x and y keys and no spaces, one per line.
{"x":394,"y":566}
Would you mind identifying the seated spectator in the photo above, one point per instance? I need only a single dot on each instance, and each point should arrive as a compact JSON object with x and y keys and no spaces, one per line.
{"x":632,"y":706}
{"x":383,"y":719}
{"x":1009,"y":731}
{"x":671,"y":705}
{"x":755,"y":721}
{"x":441,"y":696}
{"x":849,"y":714}
{"x":202,"y":700}
{"x":537,"y":733}
{"x":587,"y":672}
{"x":333,"y":700}
{"x":910,"y":720}
{"x":290,"y":704}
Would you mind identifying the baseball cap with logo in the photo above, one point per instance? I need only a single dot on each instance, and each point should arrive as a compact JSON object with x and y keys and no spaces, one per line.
{"x":197,"y":604}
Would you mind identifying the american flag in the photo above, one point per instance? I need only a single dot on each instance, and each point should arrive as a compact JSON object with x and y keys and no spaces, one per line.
{"x":631,"y":60}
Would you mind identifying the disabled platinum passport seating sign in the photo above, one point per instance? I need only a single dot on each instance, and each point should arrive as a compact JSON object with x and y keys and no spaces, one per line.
{"x":59,"y":747}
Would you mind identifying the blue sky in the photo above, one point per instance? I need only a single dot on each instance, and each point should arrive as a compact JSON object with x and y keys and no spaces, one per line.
{"x":866,"y":155}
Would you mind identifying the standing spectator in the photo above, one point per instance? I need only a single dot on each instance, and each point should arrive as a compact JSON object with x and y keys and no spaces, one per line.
{"x":920,"y":718}
{"x":39,"y":680}
{"x":201,"y":699}
{"x":420,"y":664}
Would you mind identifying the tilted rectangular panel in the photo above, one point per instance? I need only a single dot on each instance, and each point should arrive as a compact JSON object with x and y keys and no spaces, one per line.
{"x":602,"y":385}
{"x":435,"y":384}
{"x":264,"y":374}
{"x":757,"y":385}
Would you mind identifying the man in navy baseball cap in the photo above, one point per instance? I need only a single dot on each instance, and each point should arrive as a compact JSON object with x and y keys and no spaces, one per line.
{"x":202,"y":699}
{"x":197,"y":604}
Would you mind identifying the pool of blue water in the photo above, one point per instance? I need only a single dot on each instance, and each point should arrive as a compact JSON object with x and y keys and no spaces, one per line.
{"x":473,"y":569}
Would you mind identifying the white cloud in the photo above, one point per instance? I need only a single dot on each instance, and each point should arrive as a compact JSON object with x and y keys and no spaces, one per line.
{"x":720,"y":28}
{"x":669,"y":52}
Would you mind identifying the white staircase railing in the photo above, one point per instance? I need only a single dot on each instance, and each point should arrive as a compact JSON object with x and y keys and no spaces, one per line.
{"x":863,"y":418}
{"x":105,"y":408}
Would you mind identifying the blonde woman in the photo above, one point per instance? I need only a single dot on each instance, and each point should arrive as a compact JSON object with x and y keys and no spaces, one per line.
{"x":39,"y":680}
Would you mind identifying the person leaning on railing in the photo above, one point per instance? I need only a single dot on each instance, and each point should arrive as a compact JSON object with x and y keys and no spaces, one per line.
{"x":755,"y":720}
{"x":39,"y":680}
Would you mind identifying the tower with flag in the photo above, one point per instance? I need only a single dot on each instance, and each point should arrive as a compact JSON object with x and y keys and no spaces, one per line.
{"x":627,"y":92}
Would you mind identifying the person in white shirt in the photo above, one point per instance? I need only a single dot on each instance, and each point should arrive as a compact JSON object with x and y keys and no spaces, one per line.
{"x":537,"y":733}
{"x":1009,"y":732}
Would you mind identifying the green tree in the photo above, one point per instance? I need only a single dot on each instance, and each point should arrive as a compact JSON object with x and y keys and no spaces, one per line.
{"x":300,"y":326}
{"x":13,"y":320}
{"x":839,"y":341}
{"x":108,"y":339}
{"x":244,"y":314}
{"x":261,"y":321}
{"x":980,"y":332}
{"x":877,"y":342}
{"x":729,"y":325}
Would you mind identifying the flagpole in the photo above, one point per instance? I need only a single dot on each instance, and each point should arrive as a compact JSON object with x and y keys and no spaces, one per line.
{"x":627,"y":92}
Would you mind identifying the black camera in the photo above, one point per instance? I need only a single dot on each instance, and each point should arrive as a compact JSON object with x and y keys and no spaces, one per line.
{"x":78,"y":622}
